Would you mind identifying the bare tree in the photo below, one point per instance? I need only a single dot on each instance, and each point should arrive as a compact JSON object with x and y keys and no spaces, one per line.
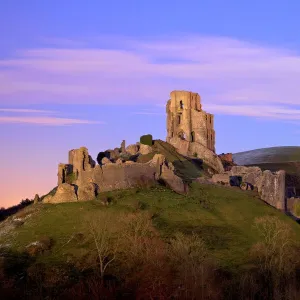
{"x":106,"y":242}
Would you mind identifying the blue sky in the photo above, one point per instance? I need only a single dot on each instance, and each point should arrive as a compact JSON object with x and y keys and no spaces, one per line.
{"x":106,"y":68}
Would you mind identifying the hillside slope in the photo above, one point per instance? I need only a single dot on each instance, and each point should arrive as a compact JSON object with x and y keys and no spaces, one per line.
{"x":268,"y":155}
{"x":223,"y":216}
{"x":159,"y":245}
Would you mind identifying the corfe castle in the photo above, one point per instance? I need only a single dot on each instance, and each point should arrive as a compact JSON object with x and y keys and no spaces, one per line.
{"x":176,"y":163}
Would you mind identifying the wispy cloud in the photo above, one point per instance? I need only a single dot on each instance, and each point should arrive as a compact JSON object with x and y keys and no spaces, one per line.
{"x":25,"y":110}
{"x":232,"y":76}
{"x":45,"y":121}
{"x":38,"y":117}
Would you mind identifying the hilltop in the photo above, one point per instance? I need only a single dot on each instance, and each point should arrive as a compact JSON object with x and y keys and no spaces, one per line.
{"x":268,"y":155}
{"x":59,"y":240}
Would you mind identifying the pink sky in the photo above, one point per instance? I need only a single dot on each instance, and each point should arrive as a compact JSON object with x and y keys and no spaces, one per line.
{"x":233,"y":77}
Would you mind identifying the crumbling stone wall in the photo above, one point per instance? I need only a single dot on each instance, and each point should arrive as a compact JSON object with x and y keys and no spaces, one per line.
{"x":270,"y":185}
{"x":110,"y":175}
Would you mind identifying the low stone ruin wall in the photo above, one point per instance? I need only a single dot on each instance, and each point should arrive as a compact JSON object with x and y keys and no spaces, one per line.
{"x":81,"y":179}
{"x":270,"y":186}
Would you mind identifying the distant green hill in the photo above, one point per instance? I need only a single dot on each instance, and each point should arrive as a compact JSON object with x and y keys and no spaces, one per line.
{"x":274,"y":159}
{"x":268,"y":155}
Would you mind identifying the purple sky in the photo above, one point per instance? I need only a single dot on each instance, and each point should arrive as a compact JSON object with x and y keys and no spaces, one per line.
{"x":93,"y":74}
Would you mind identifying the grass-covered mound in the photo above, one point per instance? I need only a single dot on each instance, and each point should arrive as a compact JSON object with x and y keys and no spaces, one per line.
{"x":186,"y":168}
{"x":223,"y":217}
{"x":268,"y":155}
{"x":156,"y":239}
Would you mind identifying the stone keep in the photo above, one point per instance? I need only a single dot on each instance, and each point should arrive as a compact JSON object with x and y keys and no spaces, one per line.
{"x":187,"y":120}
{"x":190,"y":129}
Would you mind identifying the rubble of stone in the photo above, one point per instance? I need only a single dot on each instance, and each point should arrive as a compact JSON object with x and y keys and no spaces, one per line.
{"x":270,"y":186}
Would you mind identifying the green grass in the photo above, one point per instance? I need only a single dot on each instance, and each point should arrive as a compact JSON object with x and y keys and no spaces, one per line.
{"x":268,"y":155}
{"x":222,"y":216}
{"x":71,"y":178}
{"x":184,"y":167}
{"x":296,"y":209}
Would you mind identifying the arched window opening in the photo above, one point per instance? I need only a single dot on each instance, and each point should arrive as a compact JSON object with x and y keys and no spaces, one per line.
{"x":181,"y":104}
{"x":63,"y":176}
{"x":192,"y":136}
{"x":178,"y":119}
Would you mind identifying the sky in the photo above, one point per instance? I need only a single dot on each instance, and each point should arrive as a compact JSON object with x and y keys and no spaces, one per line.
{"x":92,"y":73}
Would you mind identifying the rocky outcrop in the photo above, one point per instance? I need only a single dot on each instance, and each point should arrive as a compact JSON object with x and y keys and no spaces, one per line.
{"x":132,"y":149}
{"x":145,"y":149}
{"x":65,"y":193}
{"x":165,"y":173}
{"x":190,"y":149}
{"x":87,"y":192}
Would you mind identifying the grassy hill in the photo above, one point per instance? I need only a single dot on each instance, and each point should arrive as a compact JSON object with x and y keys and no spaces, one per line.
{"x":222,"y":216}
{"x":268,"y":155}
{"x":225,"y":220}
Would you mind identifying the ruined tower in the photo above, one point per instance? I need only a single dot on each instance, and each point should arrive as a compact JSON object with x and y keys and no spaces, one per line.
{"x":186,"y":120}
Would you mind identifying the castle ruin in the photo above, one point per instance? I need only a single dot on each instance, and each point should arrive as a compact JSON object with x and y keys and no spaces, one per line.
{"x":187,"y":120}
{"x":190,"y":129}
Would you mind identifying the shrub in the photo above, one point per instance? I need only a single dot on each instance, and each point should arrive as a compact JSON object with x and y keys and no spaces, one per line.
{"x":125,"y":156}
{"x":296,"y":209}
{"x":70,"y":178}
{"x":195,"y":154}
{"x":146,"y":140}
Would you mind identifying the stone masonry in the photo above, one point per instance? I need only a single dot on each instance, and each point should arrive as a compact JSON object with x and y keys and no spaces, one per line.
{"x":270,"y":186}
{"x":190,"y":129}
{"x":81,"y":179}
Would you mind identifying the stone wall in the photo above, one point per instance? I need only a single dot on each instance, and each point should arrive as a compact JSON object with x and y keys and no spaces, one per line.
{"x":270,"y":186}
{"x":109,"y":176}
